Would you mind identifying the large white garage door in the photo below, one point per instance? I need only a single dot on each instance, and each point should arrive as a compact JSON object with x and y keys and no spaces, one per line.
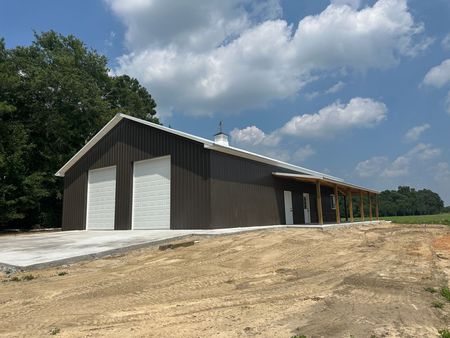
{"x":101,"y":200}
{"x":151,"y":194}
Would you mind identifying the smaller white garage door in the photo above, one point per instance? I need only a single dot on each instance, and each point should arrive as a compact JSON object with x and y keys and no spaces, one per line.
{"x":151,"y":194}
{"x":101,"y":199}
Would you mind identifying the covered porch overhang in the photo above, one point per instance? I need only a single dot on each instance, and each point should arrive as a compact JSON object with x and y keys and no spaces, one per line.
{"x":340,"y":188}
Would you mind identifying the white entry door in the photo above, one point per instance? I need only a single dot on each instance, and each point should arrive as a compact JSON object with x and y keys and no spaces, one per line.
{"x":288,"y":207}
{"x":306,"y":208}
{"x":101,"y":199}
{"x":151,"y":194}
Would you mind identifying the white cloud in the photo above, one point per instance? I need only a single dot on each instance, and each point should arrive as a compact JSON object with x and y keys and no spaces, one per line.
{"x":337,"y":117}
{"x":382,"y":167}
{"x":200,"y":57}
{"x":194,"y":25}
{"x":253,"y":136}
{"x":438,"y":76}
{"x":424,"y":152}
{"x":371,"y":167}
{"x":414,"y":133}
{"x":303,"y":153}
{"x":332,"y":90}
{"x":352,"y":3}
{"x":254,"y":139}
{"x":445,"y":43}
{"x":329,"y":121}
{"x":335,"y":88}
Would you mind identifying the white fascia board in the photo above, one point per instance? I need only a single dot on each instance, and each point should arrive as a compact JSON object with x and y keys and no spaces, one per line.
{"x":288,"y":175}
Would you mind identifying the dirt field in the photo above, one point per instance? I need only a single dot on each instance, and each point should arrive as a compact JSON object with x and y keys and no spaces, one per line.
{"x":361,"y":282}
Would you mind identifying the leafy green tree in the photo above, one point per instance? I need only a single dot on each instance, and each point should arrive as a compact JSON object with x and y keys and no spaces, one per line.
{"x":407,"y":201}
{"x":54,"y":96}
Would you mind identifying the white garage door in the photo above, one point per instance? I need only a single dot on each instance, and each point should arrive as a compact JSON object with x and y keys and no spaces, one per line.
{"x":101,"y":200}
{"x":151,"y":194}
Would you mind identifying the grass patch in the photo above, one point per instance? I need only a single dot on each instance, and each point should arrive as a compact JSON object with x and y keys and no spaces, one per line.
{"x":54,"y":331}
{"x":28,"y":277}
{"x":444,"y":333}
{"x":438,"y":305}
{"x":299,"y":336}
{"x":445,"y":292}
{"x":420,"y":219}
{"x":62,"y":273}
{"x":24,"y":278}
{"x":430,"y":289}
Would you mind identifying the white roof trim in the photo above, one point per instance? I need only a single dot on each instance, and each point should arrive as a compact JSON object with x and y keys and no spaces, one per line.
{"x":325,"y":179}
{"x":207,"y":144}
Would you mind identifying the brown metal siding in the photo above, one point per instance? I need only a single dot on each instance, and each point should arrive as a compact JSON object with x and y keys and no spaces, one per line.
{"x":244,"y":193}
{"x":74,"y":202}
{"x":209,"y":189}
{"x":128,"y":142}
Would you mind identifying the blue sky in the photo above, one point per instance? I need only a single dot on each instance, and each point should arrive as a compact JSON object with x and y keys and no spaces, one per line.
{"x":357,"y":89}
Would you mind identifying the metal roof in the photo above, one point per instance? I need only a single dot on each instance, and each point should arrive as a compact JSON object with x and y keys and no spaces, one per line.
{"x":207,"y":144}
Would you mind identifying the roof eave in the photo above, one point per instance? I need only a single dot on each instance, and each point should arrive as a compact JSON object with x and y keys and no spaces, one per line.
{"x":329,"y":181}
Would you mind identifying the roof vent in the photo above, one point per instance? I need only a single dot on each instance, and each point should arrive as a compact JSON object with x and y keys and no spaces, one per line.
{"x":221,"y":138}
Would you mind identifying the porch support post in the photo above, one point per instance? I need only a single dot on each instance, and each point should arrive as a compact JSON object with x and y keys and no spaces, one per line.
{"x":336,"y":200}
{"x":370,"y":207}
{"x":350,"y":205}
{"x":319,"y":202}
{"x":376,"y":206}
{"x":345,"y":208}
{"x":361,"y":205}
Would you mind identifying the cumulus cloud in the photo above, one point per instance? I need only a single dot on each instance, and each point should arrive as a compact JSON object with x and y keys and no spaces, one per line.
{"x":253,"y":136}
{"x":234,"y":55}
{"x":254,"y":139}
{"x":414,"y":133}
{"x":371,"y":167}
{"x":438,"y":76}
{"x":194,"y":25}
{"x":382,"y":167}
{"x":327,"y":122}
{"x":337,"y":117}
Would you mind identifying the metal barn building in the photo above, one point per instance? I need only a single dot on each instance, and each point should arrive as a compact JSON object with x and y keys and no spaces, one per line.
{"x":134,"y":174}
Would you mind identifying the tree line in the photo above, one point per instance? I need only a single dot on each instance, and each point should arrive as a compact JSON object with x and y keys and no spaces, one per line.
{"x":406,"y":201}
{"x":55,"y":94}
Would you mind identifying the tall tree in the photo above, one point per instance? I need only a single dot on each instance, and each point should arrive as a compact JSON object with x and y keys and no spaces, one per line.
{"x":54,"y":96}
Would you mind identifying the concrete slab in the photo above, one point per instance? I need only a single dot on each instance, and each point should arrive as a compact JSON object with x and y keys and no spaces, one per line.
{"x":56,"y":248}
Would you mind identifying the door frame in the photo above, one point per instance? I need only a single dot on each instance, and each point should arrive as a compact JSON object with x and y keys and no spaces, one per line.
{"x":307,"y":206}
{"x":288,"y":197}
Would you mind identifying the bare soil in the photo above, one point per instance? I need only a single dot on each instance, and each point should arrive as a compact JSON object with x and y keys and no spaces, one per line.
{"x":362,"y":281}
